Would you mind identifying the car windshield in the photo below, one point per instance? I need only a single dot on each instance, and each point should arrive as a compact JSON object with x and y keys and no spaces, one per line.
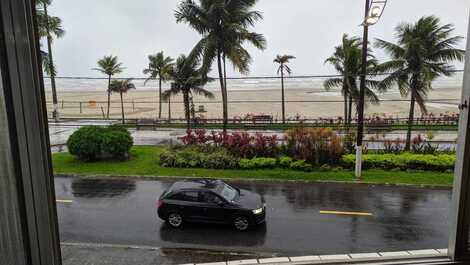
{"x":228,"y":192}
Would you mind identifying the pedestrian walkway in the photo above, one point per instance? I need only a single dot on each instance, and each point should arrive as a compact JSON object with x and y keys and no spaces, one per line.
{"x":106,"y":254}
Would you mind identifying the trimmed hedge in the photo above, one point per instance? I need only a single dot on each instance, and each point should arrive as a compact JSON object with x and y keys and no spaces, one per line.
{"x":258,"y":163}
{"x":220,"y":158}
{"x":403,"y":161}
{"x":91,"y":143}
{"x":193,"y":157}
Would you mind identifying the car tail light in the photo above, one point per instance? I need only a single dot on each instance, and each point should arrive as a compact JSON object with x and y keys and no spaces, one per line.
{"x":159,"y":204}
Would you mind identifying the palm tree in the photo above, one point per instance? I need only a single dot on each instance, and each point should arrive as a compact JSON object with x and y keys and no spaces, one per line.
{"x":109,"y":66}
{"x":223,"y":25}
{"x":283,"y":60}
{"x":121,"y":87}
{"x":159,"y":67}
{"x":188,"y":80}
{"x":347,"y":60}
{"x":423,"y":52}
{"x":49,"y":27}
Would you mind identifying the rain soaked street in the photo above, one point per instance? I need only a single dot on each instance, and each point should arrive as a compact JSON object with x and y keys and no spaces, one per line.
{"x":302,"y":218}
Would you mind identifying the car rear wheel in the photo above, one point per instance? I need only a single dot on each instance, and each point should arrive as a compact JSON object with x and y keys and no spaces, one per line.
{"x":241,"y":223}
{"x":175,"y":220}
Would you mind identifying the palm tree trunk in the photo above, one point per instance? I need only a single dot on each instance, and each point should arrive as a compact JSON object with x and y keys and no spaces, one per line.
{"x":345,"y":109}
{"x":224,"y":94}
{"x":410,"y":122}
{"x":283,"y":99}
{"x":109,"y":96}
{"x":55,"y":112}
{"x":169,"y":109}
{"x":186,"y":110}
{"x":225,"y":86}
{"x":350,"y":109}
{"x":122,"y":109}
{"x":225,"y":72}
{"x":160,"y":98}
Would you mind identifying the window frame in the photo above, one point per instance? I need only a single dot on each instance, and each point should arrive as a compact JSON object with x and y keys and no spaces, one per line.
{"x":31,"y":216}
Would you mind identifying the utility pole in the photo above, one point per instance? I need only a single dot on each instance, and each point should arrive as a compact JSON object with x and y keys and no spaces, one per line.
{"x":360,"y":116}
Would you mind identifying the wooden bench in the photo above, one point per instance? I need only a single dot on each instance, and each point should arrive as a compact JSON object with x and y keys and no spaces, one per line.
{"x":262,"y":118}
{"x":146,"y":123}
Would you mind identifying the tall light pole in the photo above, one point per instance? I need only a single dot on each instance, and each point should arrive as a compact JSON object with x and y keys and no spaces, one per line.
{"x":373,"y":11}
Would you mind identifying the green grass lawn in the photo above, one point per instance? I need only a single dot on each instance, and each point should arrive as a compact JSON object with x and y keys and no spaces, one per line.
{"x":144,"y":163}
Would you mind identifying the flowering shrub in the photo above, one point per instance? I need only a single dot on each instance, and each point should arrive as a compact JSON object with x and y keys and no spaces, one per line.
{"x":393,"y":146}
{"x":420,"y":146}
{"x":316,"y":146}
{"x":240,"y":144}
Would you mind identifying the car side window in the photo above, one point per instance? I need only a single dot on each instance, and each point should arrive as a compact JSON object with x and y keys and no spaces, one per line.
{"x":177,"y":197}
{"x":191,"y":196}
{"x":208,"y":197}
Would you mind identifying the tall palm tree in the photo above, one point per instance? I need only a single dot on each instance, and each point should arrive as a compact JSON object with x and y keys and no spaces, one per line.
{"x":109,"y":66}
{"x":347,"y":61}
{"x":188,"y":80}
{"x":159,"y":67}
{"x":49,"y":27}
{"x":283,"y":60}
{"x":423,"y":52}
{"x":223,"y":25}
{"x":121,"y":87}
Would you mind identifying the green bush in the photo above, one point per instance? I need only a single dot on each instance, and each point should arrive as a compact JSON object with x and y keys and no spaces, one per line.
{"x":90,"y":143}
{"x":117,"y":144}
{"x":325,"y":168}
{"x":258,"y":162}
{"x":285,"y":161}
{"x":221,"y":159}
{"x":85,"y":143}
{"x":404,"y":161}
{"x":194,"y":157}
{"x":301,"y":165}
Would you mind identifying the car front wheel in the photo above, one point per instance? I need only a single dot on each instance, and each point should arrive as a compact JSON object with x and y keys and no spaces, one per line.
{"x":175,"y":220}
{"x":241,"y":223}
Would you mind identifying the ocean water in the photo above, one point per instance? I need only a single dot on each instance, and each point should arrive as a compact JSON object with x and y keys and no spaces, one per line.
{"x":315,"y":84}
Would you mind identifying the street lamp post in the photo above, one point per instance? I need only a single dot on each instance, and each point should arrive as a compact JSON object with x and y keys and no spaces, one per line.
{"x":373,"y":11}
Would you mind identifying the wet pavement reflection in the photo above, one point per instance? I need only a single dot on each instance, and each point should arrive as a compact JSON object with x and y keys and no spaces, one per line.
{"x":122,"y":211}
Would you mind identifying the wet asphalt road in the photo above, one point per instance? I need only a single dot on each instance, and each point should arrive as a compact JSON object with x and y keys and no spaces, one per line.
{"x":122,"y":211}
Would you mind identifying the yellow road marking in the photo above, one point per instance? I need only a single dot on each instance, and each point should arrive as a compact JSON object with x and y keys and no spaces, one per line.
{"x":346,"y":213}
{"x":64,"y":201}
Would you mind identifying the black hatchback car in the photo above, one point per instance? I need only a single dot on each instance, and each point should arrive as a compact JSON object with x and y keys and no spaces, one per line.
{"x":211,"y":201}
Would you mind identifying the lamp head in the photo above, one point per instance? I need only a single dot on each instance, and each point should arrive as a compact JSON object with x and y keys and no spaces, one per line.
{"x":376,"y":10}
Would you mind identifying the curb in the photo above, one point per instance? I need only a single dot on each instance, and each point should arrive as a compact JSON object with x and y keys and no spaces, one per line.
{"x":176,"y":178}
{"x":428,"y":255}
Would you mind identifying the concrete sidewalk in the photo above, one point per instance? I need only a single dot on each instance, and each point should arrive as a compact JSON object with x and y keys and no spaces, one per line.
{"x":106,"y":254}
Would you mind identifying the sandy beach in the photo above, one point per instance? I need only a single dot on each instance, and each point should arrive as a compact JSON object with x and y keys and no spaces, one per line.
{"x":144,"y":103}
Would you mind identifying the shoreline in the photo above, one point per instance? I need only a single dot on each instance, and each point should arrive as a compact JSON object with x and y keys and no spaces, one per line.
{"x":300,"y":102}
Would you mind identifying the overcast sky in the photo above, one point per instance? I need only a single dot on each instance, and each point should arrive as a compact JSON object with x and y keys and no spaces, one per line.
{"x":308,"y":29}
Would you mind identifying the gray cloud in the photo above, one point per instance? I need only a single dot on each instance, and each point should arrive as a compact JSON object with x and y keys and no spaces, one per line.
{"x":308,"y":29}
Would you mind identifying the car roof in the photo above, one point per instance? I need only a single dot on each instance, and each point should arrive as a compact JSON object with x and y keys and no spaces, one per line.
{"x":203,"y":184}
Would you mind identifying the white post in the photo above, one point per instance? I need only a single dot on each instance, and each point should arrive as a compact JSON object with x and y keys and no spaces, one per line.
{"x":358,"y":162}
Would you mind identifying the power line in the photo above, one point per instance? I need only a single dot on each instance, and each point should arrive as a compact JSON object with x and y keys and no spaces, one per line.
{"x":229,"y":78}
